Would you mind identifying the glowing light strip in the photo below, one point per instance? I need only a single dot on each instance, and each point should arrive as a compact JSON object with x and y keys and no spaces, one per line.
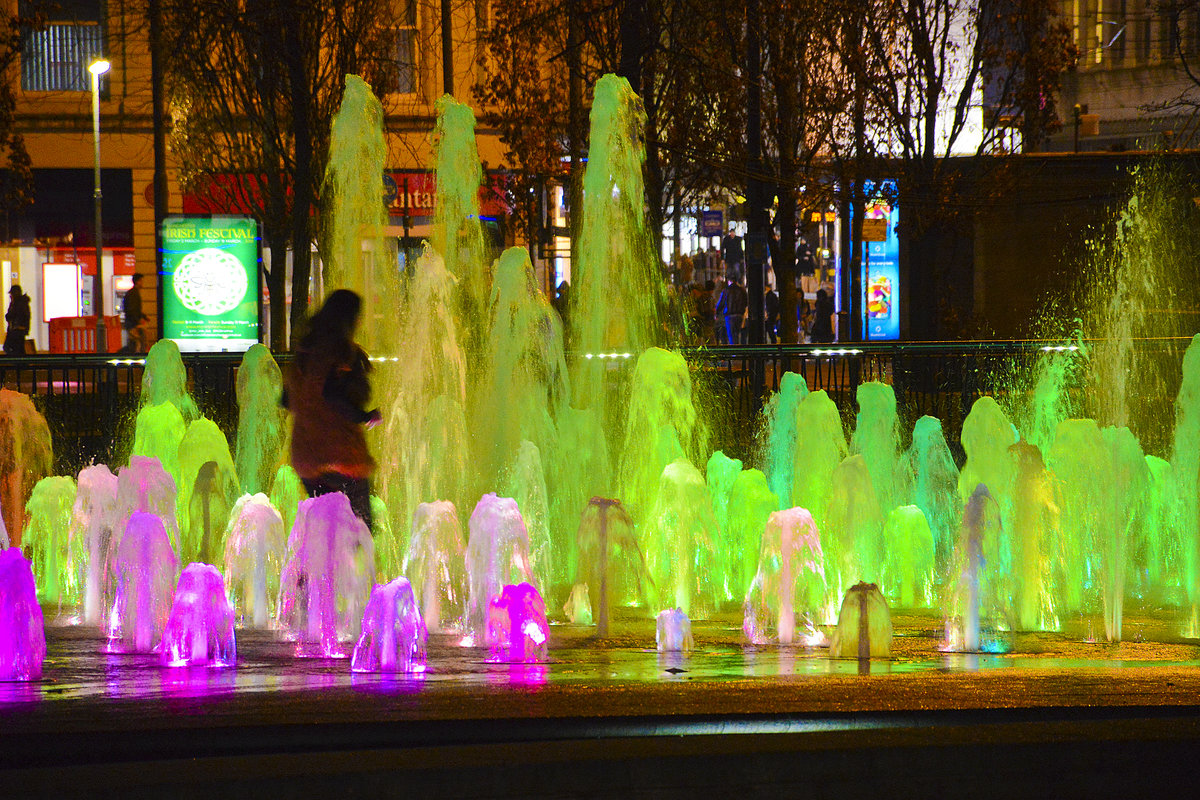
{"x":126,"y":362}
{"x":1059,"y":348}
{"x":607,"y":355}
{"x":382,"y":359}
{"x":843,"y":352}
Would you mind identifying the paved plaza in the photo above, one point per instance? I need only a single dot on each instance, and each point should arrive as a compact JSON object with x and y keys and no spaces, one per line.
{"x":1058,"y":716}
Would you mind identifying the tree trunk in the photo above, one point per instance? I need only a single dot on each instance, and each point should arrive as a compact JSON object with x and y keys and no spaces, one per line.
{"x":785,"y":264}
{"x":303,"y":177}
{"x":277,"y":289}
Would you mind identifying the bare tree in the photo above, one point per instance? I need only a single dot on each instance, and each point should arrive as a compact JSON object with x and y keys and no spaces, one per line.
{"x":252,"y":88}
{"x":16,"y":168}
{"x":924,"y":66}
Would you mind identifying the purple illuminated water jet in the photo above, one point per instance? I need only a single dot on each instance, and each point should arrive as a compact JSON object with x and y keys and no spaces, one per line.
{"x":200,"y":628}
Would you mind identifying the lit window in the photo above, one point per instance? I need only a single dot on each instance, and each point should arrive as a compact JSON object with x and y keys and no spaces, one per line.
{"x":406,"y":48}
{"x":56,"y":57}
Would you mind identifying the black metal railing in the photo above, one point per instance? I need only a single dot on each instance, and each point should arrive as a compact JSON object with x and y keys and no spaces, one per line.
{"x":90,"y":401}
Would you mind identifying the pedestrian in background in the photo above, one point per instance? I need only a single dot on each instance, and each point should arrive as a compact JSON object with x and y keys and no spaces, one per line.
{"x":131,"y":307}
{"x":18,"y":318}
{"x":771,"y":313}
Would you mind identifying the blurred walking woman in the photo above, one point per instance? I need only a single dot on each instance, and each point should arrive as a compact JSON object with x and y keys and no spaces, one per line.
{"x":327,"y":391}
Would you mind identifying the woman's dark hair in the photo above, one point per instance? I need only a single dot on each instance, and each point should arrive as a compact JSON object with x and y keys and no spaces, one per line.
{"x":335,"y":320}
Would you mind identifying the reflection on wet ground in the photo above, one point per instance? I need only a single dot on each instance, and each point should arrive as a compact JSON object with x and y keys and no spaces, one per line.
{"x":77,"y":664}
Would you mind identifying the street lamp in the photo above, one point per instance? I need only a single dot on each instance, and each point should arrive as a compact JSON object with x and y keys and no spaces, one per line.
{"x":98,"y":68}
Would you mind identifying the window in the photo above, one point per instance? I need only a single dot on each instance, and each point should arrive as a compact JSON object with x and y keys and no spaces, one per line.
{"x":56,"y":57}
{"x":406,"y":48}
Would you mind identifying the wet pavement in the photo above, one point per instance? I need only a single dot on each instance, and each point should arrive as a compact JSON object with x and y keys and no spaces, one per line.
{"x":609,"y":716}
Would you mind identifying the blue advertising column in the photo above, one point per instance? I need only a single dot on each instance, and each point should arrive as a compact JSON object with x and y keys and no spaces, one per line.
{"x":881,"y":266}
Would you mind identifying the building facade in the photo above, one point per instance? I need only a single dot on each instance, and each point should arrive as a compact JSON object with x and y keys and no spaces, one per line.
{"x":1129,"y":84}
{"x":54,"y":115}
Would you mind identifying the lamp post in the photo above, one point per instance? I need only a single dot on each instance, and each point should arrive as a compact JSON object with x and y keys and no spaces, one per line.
{"x":98,"y":68}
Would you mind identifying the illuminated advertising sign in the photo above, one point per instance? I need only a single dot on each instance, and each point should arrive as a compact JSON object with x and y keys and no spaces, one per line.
{"x":209,"y":282}
{"x":881,"y":265}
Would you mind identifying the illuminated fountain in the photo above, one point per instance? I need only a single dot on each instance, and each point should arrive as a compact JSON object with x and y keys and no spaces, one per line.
{"x":790,"y":582}
{"x":25,"y":458}
{"x":255,"y":547}
{"x":864,"y":625}
{"x":611,"y":565}
{"x":673,"y":632}
{"x":517,"y":630}
{"x":608,"y":440}
{"x":22,"y":637}
{"x":497,"y":556}
{"x":327,"y":578}
{"x":393,"y":633}
{"x":47,"y":539}
{"x":92,"y":525}
{"x":435,"y":564}
{"x":144,"y":568}
{"x":199,"y":630}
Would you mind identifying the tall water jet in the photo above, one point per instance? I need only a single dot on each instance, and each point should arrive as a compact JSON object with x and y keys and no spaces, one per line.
{"x":457,"y":232}
{"x":47,"y":539}
{"x":517,"y":630}
{"x":93,"y":521}
{"x":781,"y":434}
{"x":877,"y":439}
{"x":436,"y":565}
{"x":986,"y":436}
{"x":854,"y":545}
{"x":199,"y":629}
{"x":823,"y":449}
{"x":611,"y":565}
{"x":1140,"y":284}
{"x":750,"y":506}
{"x":360,"y":256}
{"x":144,"y":569}
{"x":22,"y":635}
{"x":618,"y":296}
{"x":978,"y":611}
{"x":525,"y":482}
{"x":429,"y":456}
{"x":522,"y":387}
{"x":1034,"y":531}
{"x":1078,"y":457}
{"x":661,"y":426}
{"x":1127,"y":489}
{"x":164,"y":380}
{"x":1185,"y":469}
{"x":908,"y":561}
{"x":207,"y":491}
{"x":328,"y":576}
{"x":790,"y":583}
{"x":262,"y":422}
{"x":677,"y":536}
{"x":931,"y":480}
{"x":720,"y":474}
{"x":26,"y":457}
{"x":255,"y":547}
{"x":497,"y":555}
{"x":157,"y":433}
{"x":393,"y":633}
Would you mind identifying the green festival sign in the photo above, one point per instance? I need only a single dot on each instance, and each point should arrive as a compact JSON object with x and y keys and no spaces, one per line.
{"x":210,"y":283}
